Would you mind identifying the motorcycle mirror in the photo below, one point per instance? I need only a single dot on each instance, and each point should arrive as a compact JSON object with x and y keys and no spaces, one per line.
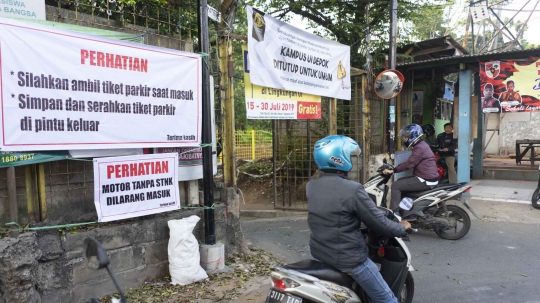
{"x":96,"y":256}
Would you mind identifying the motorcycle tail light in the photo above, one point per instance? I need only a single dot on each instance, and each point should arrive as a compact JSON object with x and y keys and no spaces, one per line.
{"x":467,"y":189}
{"x":284,"y":283}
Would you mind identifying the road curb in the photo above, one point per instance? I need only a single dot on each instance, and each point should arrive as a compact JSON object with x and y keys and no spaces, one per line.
{"x":274,"y":213}
{"x":501,"y":200}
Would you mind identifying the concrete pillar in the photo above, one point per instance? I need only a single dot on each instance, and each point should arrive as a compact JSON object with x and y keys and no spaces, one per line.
{"x":193,"y":192}
{"x":464,"y":130}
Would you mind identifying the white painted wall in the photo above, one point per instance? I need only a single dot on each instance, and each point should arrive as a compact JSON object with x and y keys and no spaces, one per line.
{"x":514,"y":126}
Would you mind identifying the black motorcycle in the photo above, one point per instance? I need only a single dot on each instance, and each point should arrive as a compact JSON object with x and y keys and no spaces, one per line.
{"x":536,"y":195}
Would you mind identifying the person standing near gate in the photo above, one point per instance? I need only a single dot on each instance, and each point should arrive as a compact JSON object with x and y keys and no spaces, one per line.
{"x":448,"y":150}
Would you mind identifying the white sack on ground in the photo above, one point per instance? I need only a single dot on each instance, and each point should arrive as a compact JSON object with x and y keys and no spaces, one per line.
{"x":184,"y":257}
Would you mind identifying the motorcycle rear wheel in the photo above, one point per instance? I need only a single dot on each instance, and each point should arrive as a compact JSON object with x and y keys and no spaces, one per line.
{"x":536,"y":198}
{"x":407,"y":292}
{"x":460,"y":215}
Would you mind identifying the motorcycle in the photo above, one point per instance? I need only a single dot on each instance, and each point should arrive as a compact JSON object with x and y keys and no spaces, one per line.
{"x":442,"y":167}
{"x":310,"y":281}
{"x":535,"y":200}
{"x":428,"y":210}
{"x":96,"y":258}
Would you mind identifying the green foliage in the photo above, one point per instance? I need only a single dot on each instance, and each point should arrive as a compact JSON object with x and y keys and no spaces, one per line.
{"x":433,"y":22}
{"x":162,"y":15}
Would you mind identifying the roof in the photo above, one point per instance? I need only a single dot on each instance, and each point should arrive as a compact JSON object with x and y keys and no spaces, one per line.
{"x":434,"y":48}
{"x":470,"y":58}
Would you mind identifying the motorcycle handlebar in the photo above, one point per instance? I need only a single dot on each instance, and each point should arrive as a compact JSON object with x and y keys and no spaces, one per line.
{"x":411,"y":230}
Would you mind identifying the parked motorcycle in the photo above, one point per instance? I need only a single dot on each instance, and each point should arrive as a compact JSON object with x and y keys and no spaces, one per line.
{"x":96,"y":258}
{"x":429,"y":209}
{"x":311,"y":281}
{"x":536,"y":195}
{"x":442,"y":167}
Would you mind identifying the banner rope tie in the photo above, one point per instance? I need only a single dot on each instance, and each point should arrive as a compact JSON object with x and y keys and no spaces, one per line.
{"x":20,"y":229}
{"x":185,"y":152}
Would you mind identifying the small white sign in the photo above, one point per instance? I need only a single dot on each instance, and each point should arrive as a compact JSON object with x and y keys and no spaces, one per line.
{"x":214,"y":14}
{"x":134,"y":186}
{"x":27,"y":9}
{"x":479,"y":13}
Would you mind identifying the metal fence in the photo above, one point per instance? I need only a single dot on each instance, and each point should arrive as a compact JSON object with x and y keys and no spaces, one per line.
{"x":293,"y":148}
{"x":351,"y":121}
{"x":253,"y":144}
{"x":377,"y":118}
{"x":171,"y":25}
{"x":361,"y":118}
{"x":69,"y":190}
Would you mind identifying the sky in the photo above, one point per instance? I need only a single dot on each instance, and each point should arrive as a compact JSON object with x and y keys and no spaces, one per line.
{"x":458,"y":12}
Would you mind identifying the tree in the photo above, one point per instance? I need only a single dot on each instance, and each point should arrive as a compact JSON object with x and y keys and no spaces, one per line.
{"x":433,"y":22}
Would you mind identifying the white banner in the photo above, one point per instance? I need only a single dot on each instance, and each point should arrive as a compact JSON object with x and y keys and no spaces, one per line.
{"x":28,"y":9}
{"x":190,"y":158}
{"x":63,"y":90}
{"x":134,"y":186}
{"x":285,"y":57}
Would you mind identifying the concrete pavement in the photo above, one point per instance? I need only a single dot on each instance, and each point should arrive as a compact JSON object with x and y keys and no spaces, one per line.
{"x":503,"y":190}
{"x":496,"y":262}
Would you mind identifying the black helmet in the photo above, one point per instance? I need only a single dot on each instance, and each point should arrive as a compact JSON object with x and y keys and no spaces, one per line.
{"x":428,"y":129}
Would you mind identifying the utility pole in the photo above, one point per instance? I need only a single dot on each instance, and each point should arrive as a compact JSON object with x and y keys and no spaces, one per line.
{"x":226,"y":91}
{"x":466,"y":36}
{"x":208,"y":175}
{"x":496,"y":43}
{"x":392,"y":103}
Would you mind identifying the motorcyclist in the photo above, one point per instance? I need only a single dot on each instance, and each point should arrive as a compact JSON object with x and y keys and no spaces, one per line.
{"x":429,"y":131}
{"x":448,"y":150}
{"x":337,"y":206}
{"x":422,"y":160}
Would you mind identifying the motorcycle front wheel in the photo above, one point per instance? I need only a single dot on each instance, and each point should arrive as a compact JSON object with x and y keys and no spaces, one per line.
{"x":407,"y":292}
{"x":457,"y":217}
{"x":536,"y":198}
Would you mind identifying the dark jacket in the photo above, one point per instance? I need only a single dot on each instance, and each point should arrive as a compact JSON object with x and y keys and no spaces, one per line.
{"x":447,"y":141}
{"x":422,"y":160}
{"x":336,"y":207}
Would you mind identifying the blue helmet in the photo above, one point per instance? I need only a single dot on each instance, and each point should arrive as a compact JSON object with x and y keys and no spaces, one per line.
{"x":410,"y":134}
{"x":334,"y":153}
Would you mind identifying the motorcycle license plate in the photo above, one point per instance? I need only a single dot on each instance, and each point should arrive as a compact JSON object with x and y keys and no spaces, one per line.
{"x":275,"y":296}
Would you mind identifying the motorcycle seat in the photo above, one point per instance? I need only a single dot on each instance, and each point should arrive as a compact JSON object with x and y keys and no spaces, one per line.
{"x":321,"y":271}
{"x":418,"y":194}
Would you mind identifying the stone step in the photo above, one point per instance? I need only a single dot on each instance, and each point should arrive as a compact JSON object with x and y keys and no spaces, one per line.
{"x":519,"y":174}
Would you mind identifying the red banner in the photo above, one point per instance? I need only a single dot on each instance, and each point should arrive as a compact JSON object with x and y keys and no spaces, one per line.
{"x":510,"y":85}
{"x":309,"y":110}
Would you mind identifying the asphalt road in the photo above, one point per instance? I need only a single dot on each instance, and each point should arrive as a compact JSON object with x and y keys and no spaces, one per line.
{"x":495,"y":262}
